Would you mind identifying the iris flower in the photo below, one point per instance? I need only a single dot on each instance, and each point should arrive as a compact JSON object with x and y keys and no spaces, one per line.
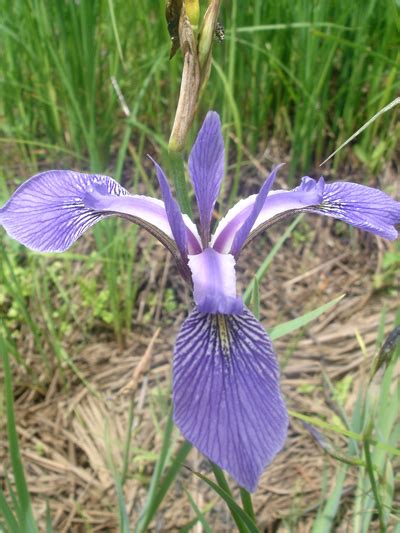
{"x":226,"y":393}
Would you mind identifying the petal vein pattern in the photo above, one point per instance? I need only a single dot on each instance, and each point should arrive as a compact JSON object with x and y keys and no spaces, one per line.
{"x":358,"y":205}
{"x":363,"y":207}
{"x":227,"y":400}
{"x":206,"y":168}
{"x":51,"y":210}
{"x":277,"y":203}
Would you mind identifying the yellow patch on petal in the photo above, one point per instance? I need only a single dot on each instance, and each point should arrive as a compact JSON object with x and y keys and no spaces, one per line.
{"x":223,"y":334}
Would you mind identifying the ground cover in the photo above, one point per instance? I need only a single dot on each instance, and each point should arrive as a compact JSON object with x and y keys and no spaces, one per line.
{"x":73,"y":441}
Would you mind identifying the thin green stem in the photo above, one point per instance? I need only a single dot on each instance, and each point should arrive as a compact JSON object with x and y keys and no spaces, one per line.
{"x":128,"y":441}
{"x":247,"y":503}
{"x":221,"y":480}
{"x":256,"y":298}
{"x":178,"y":173}
{"x":374,"y":487}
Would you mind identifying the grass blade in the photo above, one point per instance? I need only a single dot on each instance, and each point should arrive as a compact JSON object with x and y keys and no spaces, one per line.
{"x":235,"y":509}
{"x":301,"y":321}
{"x":25,"y":514}
{"x":200,"y":516}
{"x":123,"y":513}
{"x":268,"y":260}
{"x":388,"y":107}
{"x":159,"y":488}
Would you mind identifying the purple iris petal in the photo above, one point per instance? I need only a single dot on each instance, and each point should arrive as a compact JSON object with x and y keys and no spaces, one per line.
{"x":227,"y":400}
{"x":214,"y":282}
{"x":277,"y":203}
{"x":173,"y":211}
{"x":47,"y":213}
{"x":206,"y":167}
{"x":243,"y":232}
{"x":51,"y":210}
{"x":363,"y":207}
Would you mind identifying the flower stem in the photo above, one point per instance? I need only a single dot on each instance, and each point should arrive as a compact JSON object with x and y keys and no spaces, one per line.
{"x":247,"y":503}
{"x":374,"y":487}
{"x":221,"y":480}
{"x":178,"y":172}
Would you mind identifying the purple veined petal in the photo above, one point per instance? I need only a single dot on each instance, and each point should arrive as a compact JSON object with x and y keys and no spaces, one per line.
{"x":206,"y":168}
{"x":363,"y":207}
{"x":214,"y":282}
{"x":243,"y":232}
{"x":360,"y":206}
{"x":175,"y":217}
{"x":51,"y":210}
{"x":278,"y":204}
{"x":227,"y":399}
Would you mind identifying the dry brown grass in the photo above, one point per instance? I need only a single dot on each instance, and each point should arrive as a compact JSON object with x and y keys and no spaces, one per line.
{"x":72,"y":437}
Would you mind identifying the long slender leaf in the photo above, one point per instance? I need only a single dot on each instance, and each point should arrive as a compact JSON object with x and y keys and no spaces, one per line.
{"x":244,"y":517}
{"x":301,"y":321}
{"x":25,"y":515}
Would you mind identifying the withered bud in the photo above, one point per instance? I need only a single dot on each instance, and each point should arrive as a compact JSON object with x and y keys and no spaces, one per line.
{"x":183,"y":18}
{"x":206,"y":37}
{"x":190,"y":85}
{"x":172,"y":14}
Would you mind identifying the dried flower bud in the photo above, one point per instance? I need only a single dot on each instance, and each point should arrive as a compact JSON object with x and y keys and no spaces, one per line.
{"x":190,"y":85}
{"x":183,"y":18}
{"x":206,"y":38}
{"x":172,"y":14}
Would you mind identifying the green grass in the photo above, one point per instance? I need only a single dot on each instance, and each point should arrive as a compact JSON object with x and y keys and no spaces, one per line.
{"x":15,"y":507}
{"x":309,"y":74}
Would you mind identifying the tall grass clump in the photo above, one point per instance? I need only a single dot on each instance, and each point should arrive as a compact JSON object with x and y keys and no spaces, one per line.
{"x":308,"y":74}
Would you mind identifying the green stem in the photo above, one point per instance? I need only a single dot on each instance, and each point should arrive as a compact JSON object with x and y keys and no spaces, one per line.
{"x":147,"y":511}
{"x":221,"y":480}
{"x":127,"y":447}
{"x":247,"y":503}
{"x":370,"y":471}
{"x":178,"y":172}
{"x":256,"y":298}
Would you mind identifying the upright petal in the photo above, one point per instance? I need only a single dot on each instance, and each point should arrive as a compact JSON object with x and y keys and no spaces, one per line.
{"x":243,"y":232}
{"x":206,"y":167}
{"x":214,"y":282}
{"x":227,"y":400}
{"x":174,"y":214}
{"x":51,"y":210}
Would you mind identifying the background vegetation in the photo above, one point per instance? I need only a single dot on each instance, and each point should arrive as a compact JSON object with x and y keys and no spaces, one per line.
{"x":292,"y":81}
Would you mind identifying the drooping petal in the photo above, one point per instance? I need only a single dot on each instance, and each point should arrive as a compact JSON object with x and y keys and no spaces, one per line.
{"x":214,"y":282}
{"x":174,"y":215}
{"x":51,"y":210}
{"x":363,"y":207}
{"x":243,"y":232}
{"x":227,"y":400}
{"x":206,"y":168}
